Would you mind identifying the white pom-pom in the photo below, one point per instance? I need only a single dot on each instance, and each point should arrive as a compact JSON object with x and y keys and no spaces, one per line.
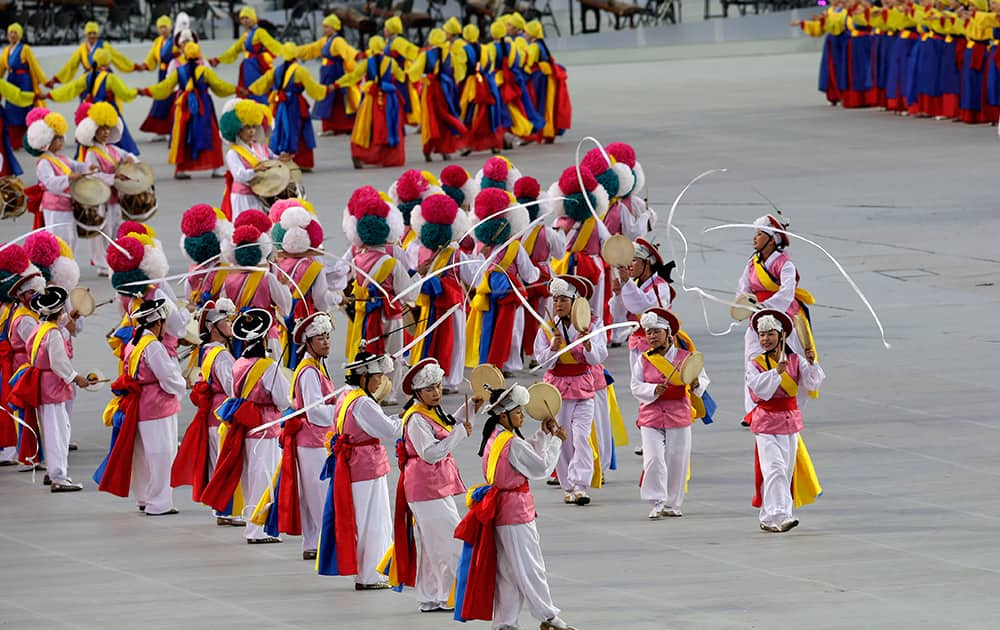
{"x":320,"y":325}
{"x":460,"y":225}
{"x":154,"y":263}
{"x":296,"y":241}
{"x":65,"y":273}
{"x":553,"y":202}
{"x":626,"y":180}
{"x":417,"y":220}
{"x":560,"y":288}
{"x":296,"y":216}
{"x":640,"y":178}
{"x":768,"y":322}
{"x":470,"y":190}
{"x":601,"y":201}
{"x":519,"y":220}
{"x":395,"y":221}
{"x":223,"y":230}
{"x":39,"y":135}
{"x":519,"y":396}
{"x":85,"y":131}
{"x":350,"y":227}
{"x":225,"y":305}
{"x":648,"y":321}
{"x":266,"y":246}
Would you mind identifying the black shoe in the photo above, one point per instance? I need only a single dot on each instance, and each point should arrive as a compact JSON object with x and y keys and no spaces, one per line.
{"x":263,"y":541}
{"x":378,"y":586}
{"x":73,"y":446}
{"x":142,"y":508}
{"x":46,"y":481}
{"x":744,"y":423}
{"x":552,"y":481}
{"x":356,"y":162}
{"x":309,"y":554}
{"x":466,"y":153}
{"x":169,"y":512}
{"x":427,"y":158}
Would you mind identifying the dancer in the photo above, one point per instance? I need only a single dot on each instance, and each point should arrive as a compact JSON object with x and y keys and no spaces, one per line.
{"x":337,"y":57}
{"x":18,"y":63}
{"x":163,"y":51}
{"x":85,"y":57}
{"x":257,"y":48}
{"x":242,"y":126}
{"x":435,"y":71}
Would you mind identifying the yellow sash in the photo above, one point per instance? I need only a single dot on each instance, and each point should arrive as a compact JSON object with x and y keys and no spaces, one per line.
{"x":408,"y":238}
{"x":307,"y":280}
{"x":674,"y":378}
{"x":209,"y":360}
{"x":43,"y":331}
{"x":102,"y":77}
{"x":385,"y":265}
{"x":495,"y":449}
{"x":529,"y":243}
{"x":307,"y":362}
{"x":248,"y":156}
{"x":218,"y":279}
{"x":560,"y":266}
{"x":254,"y":375}
{"x":137,"y":350}
{"x":427,"y":412}
{"x":768,"y":283}
{"x":289,"y":74}
{"x":481,"y":303}
{"x":104,"y":154}
{"x":57,"y":163}
{"x":424,"y":303}
{"x":565,"y":357}
{"x":352,"y":395}
{"x":788,"y":384}
{"x":805,"y":481}
{"x":84,"y":51}
{"x":249,"y":289}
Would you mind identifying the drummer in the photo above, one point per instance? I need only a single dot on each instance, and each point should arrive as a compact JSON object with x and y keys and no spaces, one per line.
{"x":242,"y":126}
{"x":98,"y":131}
{"x":56,"y":171}
{"x":665,"y":413}
{"x":644,"y":285}
{"x":571,"y":373}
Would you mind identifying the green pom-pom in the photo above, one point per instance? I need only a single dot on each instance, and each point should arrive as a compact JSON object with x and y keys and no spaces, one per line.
{"x":454,"y":193}
{"x":493,"y":183}
{"x":576,"y":207}
{"x":201,"y":248}
{"x":7,"y":281}
{"x":230,"y":125}
{"x":493,"y":231}
{"x":435,"y":235}
{"x":278,"y":234}
{"x":373,"y":230}
{"x":248,"y":255}
{"x":532,"y":209}
{"x":609,"y":182}
{"x":120,"y":278}
{"x":46,"y":273}
{"x":406,"y":207}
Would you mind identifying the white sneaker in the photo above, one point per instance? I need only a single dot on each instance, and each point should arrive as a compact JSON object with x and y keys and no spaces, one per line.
{"x":555,"y":624}
{"x":787,"y":524}
{"x":654,"y":514}
{"x":669,"y":511}
{"x":768,"y":527}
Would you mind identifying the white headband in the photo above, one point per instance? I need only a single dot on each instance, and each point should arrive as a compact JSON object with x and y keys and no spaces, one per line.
{"x":560,"y":288}
{"x":430,"y":374}
{"x":515,"y":396}
{"x":320,"y":325}
{"x":650,"y":321}
{"x":378,"y":364}
{"x":768,"y":322}
{"x":643,"y":253}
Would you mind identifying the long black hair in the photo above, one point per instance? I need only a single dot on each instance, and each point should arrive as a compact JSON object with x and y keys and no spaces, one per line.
{"x":255,"y":349}
{"x":492,"y":420}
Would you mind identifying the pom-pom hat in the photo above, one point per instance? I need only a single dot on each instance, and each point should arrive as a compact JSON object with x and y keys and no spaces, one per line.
{"x":251,"y":239}
{"x":203,"y":230}
{"x":297,"y":231}
{"x":458,"y":184}
{"x":410,"y":189}
{"x":368,"y":363}
{"x":438,"y":221}
{"x":13,"y":262}
{"x":616,"y":179}
{"x":660,"y":318}
{"x":94,"y":116}
{"x":625,"y":154}
{"x":496,"y":223}
{"x":497,"y":172}
{"x":568,"y":197}
{"x":53,"y":258}
{"x":426,"y":373}
{"x":512,"y":397}
{"x":43,"y":126}
{"x":369,"y":220}
{"x":242,"y":112}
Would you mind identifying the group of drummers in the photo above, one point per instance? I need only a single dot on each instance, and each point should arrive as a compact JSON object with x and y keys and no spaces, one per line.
{"x":484,"y":277}
{"x":928,"y":58}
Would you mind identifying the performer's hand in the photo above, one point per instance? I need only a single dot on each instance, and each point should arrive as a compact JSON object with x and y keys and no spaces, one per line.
{"x":214,"y":61}
{"x":93,"y":168}
{"x":47,"y":96}
{"x":557,"y":341}
{"x":695,"y":384}
{"x":616,"y":281}
{"x":71,"y":323}
{"x":560,"y":433}
{"x":242,"y":92}
{"x":782,"y":365}
{"x":128,"y":159}
{"x":468,"y":427}
{"x":139,"y":67}
{"x":74,"y":176}
{"x":81,"y":381}
{"x":811,"y":355}
{"x":330,"y":88}
{"x":660,"y":389}
{"x":586,"y":345}
{"x":51,"y":83}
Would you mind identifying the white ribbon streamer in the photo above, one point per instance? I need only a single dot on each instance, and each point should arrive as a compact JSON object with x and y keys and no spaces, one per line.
{"x":429,"y":330}
{"x":581,"y":340}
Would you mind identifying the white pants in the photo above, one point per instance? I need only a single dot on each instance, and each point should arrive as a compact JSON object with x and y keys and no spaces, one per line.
{"x":514,"y":361}
{"x":65,"y":232}
{"x":666,"y":454}
{"x":155,"y":448}
{"x":602,"y":426}
{"x":54,"y":419}
{"x":260,"y":459}
{"x":438,"y":550}
{"x":777,"y":461}
{"x":373,"y":519}
{"x":520,"y":576}
{"x":752,"y":347}
{"x":239,"y":203}
{"x":213,"y":457}
{"x":312,"y":494}
{"x":99,"y":245}
{"x":575,"y":466}
{"x":8,"y":454}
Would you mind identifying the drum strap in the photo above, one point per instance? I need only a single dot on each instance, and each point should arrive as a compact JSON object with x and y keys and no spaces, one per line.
{"x":106,"y":155}
{"x":665,"y":367}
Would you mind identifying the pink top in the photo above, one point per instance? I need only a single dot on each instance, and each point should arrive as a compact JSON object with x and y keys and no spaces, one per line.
{"x":426,"y":482}
{"x":219,"y":394}
{"x":672,"y":410}
{"x":110,"y":168}
{"x":513,"y":508}
{"x":613,"y":218}
{"x":53,"y":388}
{"x":368,"y":461}
{"x":17,"y":343}
{"x":154,"y":402}
{"x":783,"y":416}
{"x":311,"y":435}
{"x":773,"y":265}
{"x":200,"y":286}
{"x":260,"y":396}
{"x":540,"y":253}
{"x":58,"y":199}
{"x":366,"y":259}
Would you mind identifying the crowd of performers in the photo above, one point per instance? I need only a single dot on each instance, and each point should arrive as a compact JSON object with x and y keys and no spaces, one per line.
{"x":464,"y":95}
{"x":933,"y":58}
{"x":443,"y":274}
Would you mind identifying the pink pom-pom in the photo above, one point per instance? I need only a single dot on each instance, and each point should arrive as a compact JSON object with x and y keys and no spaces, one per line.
{"x":81,"y":112}
{"x":360,"y":199}
{"x":594,"y":162}
{"x":42,"y":248}
{"x":246,"y":233}
{"x":410,"y":185}
{"x":198,"y":220}
{"x":439,"y":208}
{"x":255,"y":218}
{"x":37,"y":113}
{"x":622,"y":152}
{"x":527,"y":188}
{"x":491,"y":201}
{"x":496,"y":168}
{"x":454,"y":175}
{"x":120,"y":261}
{"x":569,"y":183}
{"x":279,"y":207}
{"x":13,"y":259}
{"x":127,"y":227}
{"x":315,"y":231}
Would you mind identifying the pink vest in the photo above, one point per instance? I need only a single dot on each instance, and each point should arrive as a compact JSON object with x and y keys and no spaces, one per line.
{"x":593,"y":246}
{"x":366,"y":462}
{"x":366,"y":260}
{"x":573,"y":386}
{"x":513,"y":508}
{"x":260,"y":397}
{"x":296,"y":268}
{"x":53,"y":389}
{"x":154,"y":403}
{"x":109,"y":167}
{"x":540,"y":253}
{"x":613,"y":219}
{"x":19,"y":345}
{"x":239,"y":188}
{"x":201,"y":284}
{"x":129,"y":304}
{"x":218,"y":394}
{"x":311,"y":435}
{"x":426,"y":482}
{"x":664,"y":413}
{"x":774,"y":268}
{"x":637,"y":340}
{"x":57,"y":199}
{"x":786,"y":418}
{"x":261,"y":298}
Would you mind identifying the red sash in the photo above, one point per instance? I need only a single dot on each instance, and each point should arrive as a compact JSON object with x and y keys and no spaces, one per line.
{"x":26,"y":395}
{"x":8,"y":429}
{"x":118,"y":473}
{"x":289,"y":511}
{"x":343,"y":501}
{"x":191,"y":464}
{"x":779,"y":404}
{"x":219,"y":491}
{"x":404,"y":545}
{"x":570,"y":369}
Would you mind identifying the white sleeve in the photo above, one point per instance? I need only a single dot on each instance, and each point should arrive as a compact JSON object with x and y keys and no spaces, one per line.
{"x":598,"y":352}
{"x":810,"y":375}
{"x":743,"y":286}
{"x":428,"y":447}
{"x":781,"y":300}
{"x":401,"y":279}
{"x":642,"y":391}
{"x":237,"y":168}
{"x":526,"y":269}
{"x":556,"y":240}
{"x":373,"y":421}
{"x":321,"y":295}
{"x":468,"y":272}
{"x":618,"y":311}
{"x":542,"y":347}
{"x":535,"y":459}
{"x":26,"y":326}
{"x":165,"y":368}
{"x":636,"y":300}
{"x":280,"y":295}
{"x":764,"y":384}
{"x":59,"y":362}
{"x":278,"y":386}
{"x":52,"y":181}
{"x":337,"y":273}
{"x":222,"y":370}
{"x":177,"y":320}
{"x":312,"y":391}
{"x":92,"y":160}
{"x":633,"y":223}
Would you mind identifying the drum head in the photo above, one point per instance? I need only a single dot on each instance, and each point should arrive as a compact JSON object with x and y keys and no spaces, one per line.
{"x":802,"y":330}
{"x":580,"y":314}
{"x":691,"y":367}
{"x":485,"y":377}
{"x":191,"y":336}
{"x":272,"y":180}
{"x":137,"y":178}
{"x":294,"y":173}
{"x":13,"y":201}
{"x":743,"y":307}
{"x":544,"y":401}
{"x":82,"y":300}
{"x":410,"y":319}
{"x":618,"y":251}
{"x":88,"y":191}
